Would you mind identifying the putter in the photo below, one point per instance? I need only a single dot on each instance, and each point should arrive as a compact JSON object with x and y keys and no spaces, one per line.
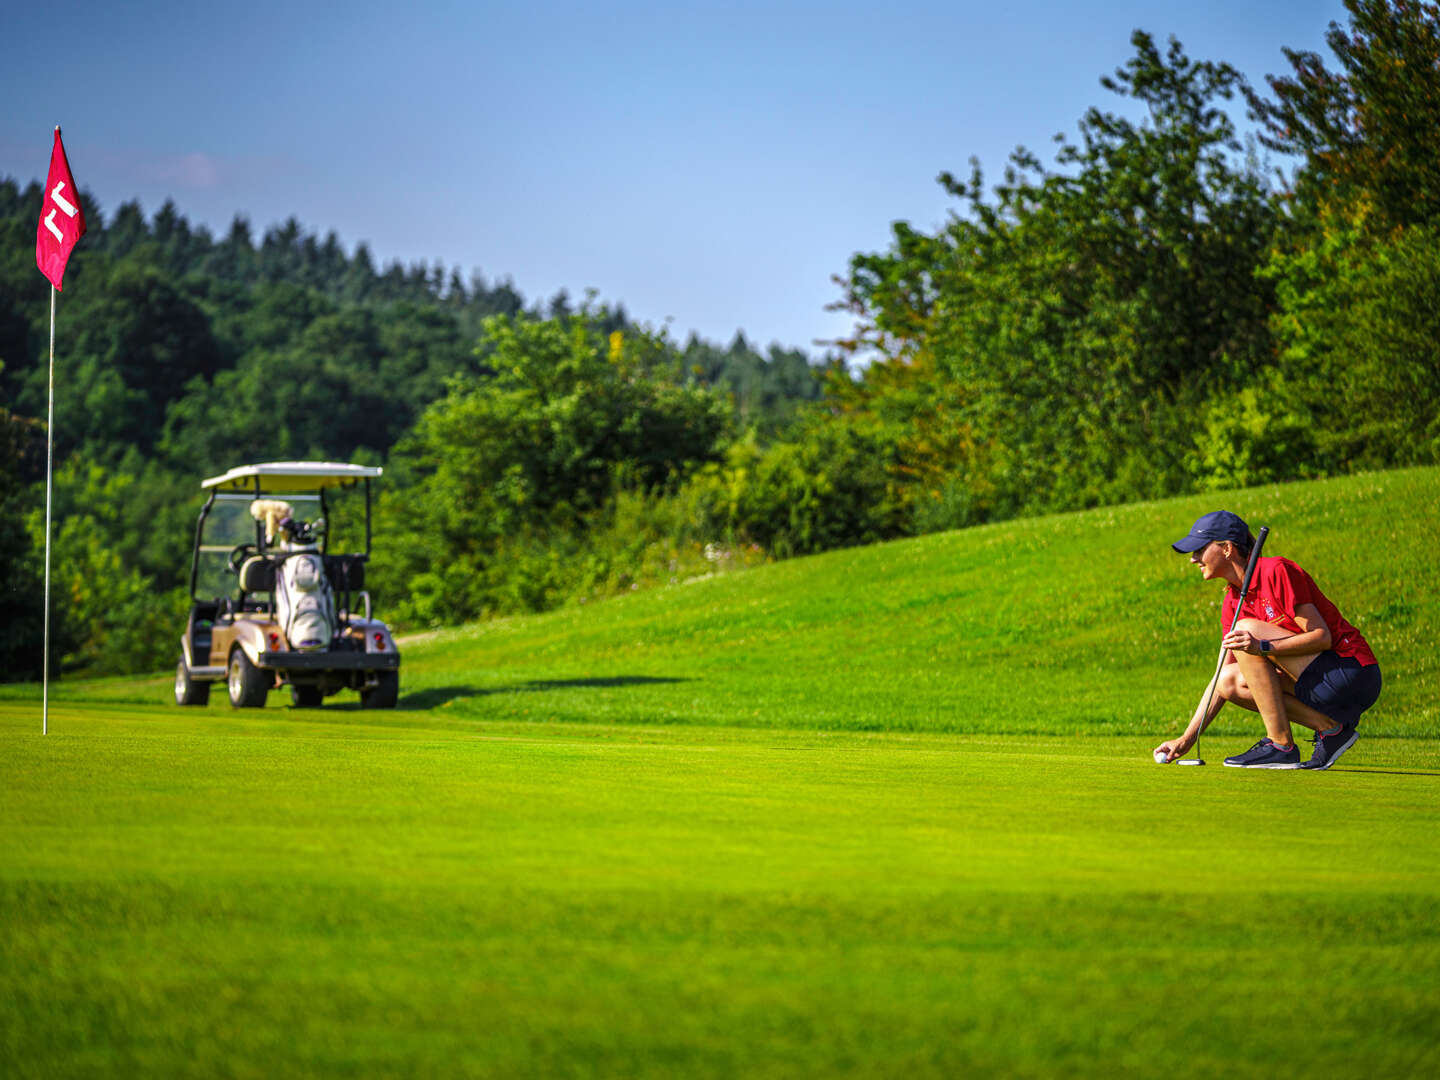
{"x":1220,"y":663}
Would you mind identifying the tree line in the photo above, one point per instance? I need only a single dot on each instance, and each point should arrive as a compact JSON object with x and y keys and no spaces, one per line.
{"x":182,"y":355}
{"x":1154,"y":310}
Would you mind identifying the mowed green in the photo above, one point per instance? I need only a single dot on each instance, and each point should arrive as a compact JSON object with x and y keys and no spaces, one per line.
{"x":335,"y":897}
{"x":777,"y":823}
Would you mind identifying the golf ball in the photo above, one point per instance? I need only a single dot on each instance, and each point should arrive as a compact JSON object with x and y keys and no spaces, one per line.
{"x":1159,"y":757}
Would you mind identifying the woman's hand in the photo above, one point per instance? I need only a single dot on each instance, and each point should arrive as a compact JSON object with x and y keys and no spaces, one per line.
{"x":1242,"y":641}
{"x":1174,"y":748}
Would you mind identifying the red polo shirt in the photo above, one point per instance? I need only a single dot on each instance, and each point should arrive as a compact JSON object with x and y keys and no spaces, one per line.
{"x":1277,"y":589}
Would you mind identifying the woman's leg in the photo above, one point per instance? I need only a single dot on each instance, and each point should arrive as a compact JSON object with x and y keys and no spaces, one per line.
{"x":1255,"y":683}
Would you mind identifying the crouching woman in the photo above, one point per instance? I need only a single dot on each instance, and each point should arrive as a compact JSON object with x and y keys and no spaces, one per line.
{"x":1292,"y":657}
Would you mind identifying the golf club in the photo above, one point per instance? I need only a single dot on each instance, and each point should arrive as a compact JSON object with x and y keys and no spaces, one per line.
{"x":1220,"y":663}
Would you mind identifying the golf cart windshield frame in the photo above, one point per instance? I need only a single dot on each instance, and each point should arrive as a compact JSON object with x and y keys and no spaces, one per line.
{"x":250,"y":482}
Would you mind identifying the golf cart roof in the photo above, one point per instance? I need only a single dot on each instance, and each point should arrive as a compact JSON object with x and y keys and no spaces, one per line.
{"x":274,"y":477}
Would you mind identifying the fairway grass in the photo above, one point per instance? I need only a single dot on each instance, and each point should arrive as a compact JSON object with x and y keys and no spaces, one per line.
{"x":208,"y":893}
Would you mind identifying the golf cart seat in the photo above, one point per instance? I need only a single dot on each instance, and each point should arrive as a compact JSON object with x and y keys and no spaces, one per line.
{"x":346,"y":572}
{"x":257,"y":574}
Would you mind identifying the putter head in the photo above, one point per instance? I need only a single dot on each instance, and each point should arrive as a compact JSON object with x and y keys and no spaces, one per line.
{"x":1190,"y":761}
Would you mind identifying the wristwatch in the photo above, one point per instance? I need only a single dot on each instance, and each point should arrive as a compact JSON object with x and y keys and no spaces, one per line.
{"x":1266,"y":647}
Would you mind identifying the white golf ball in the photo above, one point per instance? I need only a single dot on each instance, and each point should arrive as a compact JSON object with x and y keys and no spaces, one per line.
{"x":1159,"y":757}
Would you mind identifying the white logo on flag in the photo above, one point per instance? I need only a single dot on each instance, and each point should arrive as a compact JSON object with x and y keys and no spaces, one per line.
{"x":70,"y":211}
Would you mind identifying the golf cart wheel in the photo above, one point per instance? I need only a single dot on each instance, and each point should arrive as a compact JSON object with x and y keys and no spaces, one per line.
{"x":384,"y":694}
{"x":248,"y":685}
{"x":187,"y":690}
{"x":305,"y":697}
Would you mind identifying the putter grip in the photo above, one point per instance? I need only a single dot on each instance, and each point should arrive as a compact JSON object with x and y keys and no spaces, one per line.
{"x":1249,"y":573}
{"x":1254,"y":558}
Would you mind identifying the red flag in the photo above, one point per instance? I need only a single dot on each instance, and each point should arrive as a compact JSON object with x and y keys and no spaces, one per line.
{"x":62,"y":222}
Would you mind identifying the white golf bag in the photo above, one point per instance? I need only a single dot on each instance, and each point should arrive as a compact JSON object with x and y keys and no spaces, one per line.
{"x":304,"y":603}
{"x":304,"y":600}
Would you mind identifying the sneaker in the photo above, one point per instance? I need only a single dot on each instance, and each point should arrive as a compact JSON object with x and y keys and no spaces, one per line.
{"x":1330,"y":746}
{"x":1266,"y":755}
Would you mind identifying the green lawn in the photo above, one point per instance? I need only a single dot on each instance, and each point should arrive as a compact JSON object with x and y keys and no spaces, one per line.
{"x":884,"y":812}
{"x":261,"y":897}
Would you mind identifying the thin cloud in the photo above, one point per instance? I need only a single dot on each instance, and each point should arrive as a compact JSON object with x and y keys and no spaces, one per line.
{"x":195,"y":170}
{"x":190,"y":171}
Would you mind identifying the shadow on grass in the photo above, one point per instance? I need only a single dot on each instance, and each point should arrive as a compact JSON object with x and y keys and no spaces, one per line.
{"x":567,"y":684}
{"x":442,"y":695}
{"x":432,"y":698}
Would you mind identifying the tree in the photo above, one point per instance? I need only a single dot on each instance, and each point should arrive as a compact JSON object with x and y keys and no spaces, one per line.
{"x":108,"y":613}
{"x":234,"y":257}
{"x":1087,"y":309}
{"x":289,"y":404}
{"x":570,"y":416}
{"x":1366,"y":131}
{"x":1356,"y":269}
{"x":126,"y":231}
{"x":766,"y":389}
{"x":22,"y":464}
{"x":824,"y":486}
{"x":138,"y":340}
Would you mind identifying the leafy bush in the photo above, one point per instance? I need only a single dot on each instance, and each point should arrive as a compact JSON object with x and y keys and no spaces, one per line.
{"x":111,"y":614}
{"x":825,"y":487}
{"x":1244,"y":443}
{"x":510,"y":481}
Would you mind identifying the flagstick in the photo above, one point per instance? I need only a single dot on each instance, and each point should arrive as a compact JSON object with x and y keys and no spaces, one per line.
{"x":49,"y":460}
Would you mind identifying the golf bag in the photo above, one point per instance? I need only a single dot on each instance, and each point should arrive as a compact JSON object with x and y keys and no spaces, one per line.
{"x":304,"y":600}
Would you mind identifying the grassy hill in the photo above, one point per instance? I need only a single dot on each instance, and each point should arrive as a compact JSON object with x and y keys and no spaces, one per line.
{"x":789,"y":822}
{"x":1082,"y":622}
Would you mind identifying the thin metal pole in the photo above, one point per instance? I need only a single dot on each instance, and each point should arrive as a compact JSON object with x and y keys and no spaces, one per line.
{"x":49,"y":483}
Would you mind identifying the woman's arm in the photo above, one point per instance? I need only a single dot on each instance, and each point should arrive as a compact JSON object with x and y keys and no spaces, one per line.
{"x":1176,"y":747}
{"x":1314,"y":637}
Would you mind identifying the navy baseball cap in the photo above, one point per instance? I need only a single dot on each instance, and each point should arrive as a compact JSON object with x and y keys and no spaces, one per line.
{"x":1216,"y":525}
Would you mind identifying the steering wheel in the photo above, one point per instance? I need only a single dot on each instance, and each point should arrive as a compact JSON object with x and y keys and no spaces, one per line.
{"x":239,"y":555}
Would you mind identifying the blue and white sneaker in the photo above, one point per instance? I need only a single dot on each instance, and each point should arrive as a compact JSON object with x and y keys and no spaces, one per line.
{"x":1266,"y":755}
{"x":1330,"y":746}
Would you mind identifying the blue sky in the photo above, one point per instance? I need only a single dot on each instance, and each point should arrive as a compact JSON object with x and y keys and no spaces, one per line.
{"x":710,"y":166}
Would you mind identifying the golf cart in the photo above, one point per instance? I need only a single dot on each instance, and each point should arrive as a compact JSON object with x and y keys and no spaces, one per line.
{"x":271,"y":603}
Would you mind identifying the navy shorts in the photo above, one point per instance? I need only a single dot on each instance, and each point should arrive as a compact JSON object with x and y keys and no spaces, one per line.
{"x":1339,"y":687}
